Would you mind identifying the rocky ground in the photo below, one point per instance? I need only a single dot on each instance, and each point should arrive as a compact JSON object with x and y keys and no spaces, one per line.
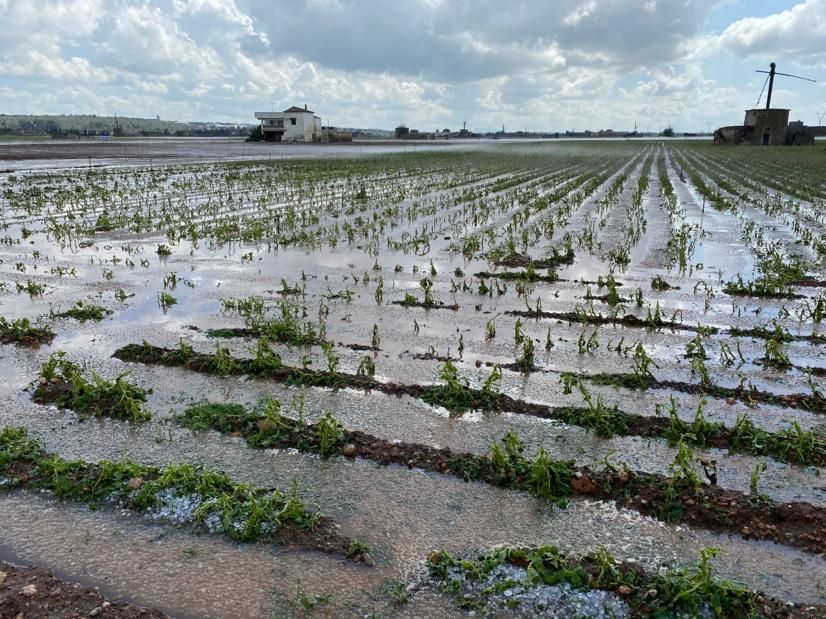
{"x":32,"y":592}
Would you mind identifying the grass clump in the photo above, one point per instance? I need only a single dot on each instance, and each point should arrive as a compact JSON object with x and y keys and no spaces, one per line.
{"x":288,"y":328}
{"x":605,"y":420}
{"x":266,"y":360}
{"x":330,"y":436}
{"x":697,"y":432}
{"x":689,"y":592}
{"x":505,"y":465}
{"x":166,"y":300}
{"x":775,"y":356}
{"x":63,"y":383}
{"x":265,"y":426}
{"x":456,"y":395}
{"x":84,"y":311}
{"x":213,"y":416}
{"x":779,"y":273}
{"x":240,"y":511}
{"x":793,"y":443}
{"x":21,"y":331}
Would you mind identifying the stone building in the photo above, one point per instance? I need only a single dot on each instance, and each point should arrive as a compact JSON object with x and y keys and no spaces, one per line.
{"x":761,"y":126}
{"x":767,"y":127}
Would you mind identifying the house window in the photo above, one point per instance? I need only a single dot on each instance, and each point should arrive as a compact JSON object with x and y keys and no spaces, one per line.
{"x":292,"y":121}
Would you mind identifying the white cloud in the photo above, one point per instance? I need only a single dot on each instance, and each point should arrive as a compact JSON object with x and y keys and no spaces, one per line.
{"x":429,"y":63}
{"x":798,"y":33}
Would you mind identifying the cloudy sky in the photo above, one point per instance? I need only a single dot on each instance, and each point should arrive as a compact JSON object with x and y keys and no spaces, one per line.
{"x":544,"y":65}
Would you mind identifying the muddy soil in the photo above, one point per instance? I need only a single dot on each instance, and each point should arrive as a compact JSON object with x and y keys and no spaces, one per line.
{"x":35,"y":593}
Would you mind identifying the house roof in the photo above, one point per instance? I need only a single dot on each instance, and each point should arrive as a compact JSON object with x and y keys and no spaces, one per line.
{"x":295,"y":108}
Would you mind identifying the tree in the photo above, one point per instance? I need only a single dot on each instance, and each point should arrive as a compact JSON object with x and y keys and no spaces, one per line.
{"x":256,"y":135}
{"x":668,"y":132}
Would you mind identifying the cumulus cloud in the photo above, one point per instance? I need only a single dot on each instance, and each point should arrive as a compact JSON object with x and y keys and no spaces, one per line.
{"x":465,"y":41}
{"x":429,"y":63}
{"x":798,"y":33}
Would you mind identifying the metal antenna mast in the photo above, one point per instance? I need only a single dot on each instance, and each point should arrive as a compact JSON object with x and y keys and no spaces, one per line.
{"x":772,"y":72}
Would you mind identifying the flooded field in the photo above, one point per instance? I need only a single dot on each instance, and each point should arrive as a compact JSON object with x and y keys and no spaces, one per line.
{"x":550,"y":378}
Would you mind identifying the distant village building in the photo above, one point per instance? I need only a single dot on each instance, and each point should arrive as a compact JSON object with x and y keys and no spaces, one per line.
{"x":298,"y":124}
{"x":294,"y":124}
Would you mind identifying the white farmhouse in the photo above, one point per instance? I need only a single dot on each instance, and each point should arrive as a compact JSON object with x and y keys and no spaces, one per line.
{"x":295,"y":124}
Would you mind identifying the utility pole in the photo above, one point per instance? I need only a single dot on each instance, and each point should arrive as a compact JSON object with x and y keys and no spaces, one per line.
{"x":772,"y":67}
{"x":772,"y":72}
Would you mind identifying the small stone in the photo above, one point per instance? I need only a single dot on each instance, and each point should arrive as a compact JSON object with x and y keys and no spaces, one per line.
{"x":3,"y":577}
{"x":731,"y":401}
{"x":651,"y":593}
{"x":582,"y":485}
{"x":266,"y":426}
{"x":622,"y":475}
{"x":135,"y":483}
{"x":95,"y":611}
{"x":746,"y":531}
{"x":106,"y":604}
{"x":29,"y":591}
{"x":624,"y":590}
{"x":349,"y":450}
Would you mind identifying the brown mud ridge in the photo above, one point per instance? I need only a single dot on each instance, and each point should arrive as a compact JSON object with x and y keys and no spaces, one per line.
{"x":524,"y":261}
{"x":231,"y":332}
{"x":35,"y":593}
{"x":668,"y":499}
{"x":629,"y":320}
{"x":812,"y":403}
{"x":518,"y":276}
{"x":28,"y":341}
{"x":434,"y":305}
{"x":808,"y":402}
{"x":604,"y":298}
{"x":323,"y":537}
{"x":432,"y":356}
{"x":809,"y":283}
{"x":622,"y":423}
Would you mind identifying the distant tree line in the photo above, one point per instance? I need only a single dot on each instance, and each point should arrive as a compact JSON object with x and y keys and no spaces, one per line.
{"x":67,"y":126}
